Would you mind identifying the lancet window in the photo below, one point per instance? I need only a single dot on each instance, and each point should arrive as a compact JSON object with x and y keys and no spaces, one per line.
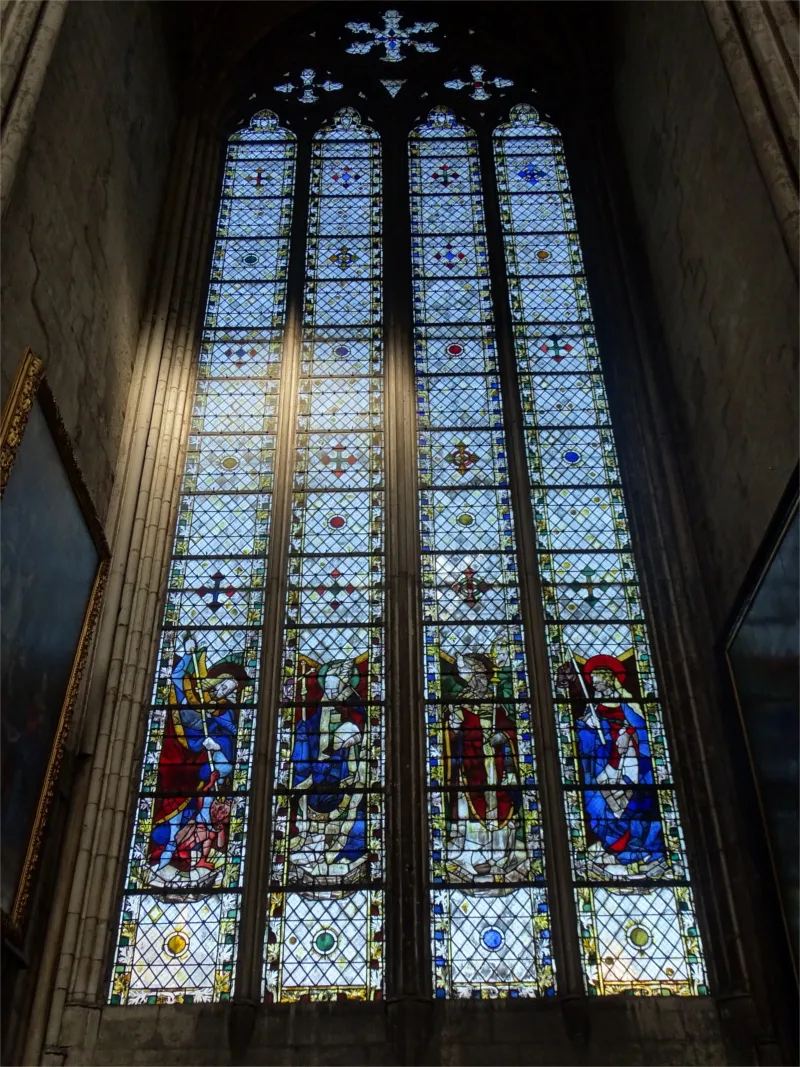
{"x":552,"y":826}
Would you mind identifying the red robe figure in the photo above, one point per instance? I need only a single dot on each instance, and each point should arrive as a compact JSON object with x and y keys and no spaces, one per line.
{"x":195,"y":768}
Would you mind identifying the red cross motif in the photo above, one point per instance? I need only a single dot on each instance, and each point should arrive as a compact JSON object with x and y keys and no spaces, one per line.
{"x":336,"y":589}
{"x":258,"y":179}
{"x":472,"y":588}
{"x":341,"y":461}
{"x":461,"y":458}
{"x":560,"y":349}
{"x":445,"y":174}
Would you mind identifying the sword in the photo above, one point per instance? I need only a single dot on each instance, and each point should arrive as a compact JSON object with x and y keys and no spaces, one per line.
{"x":201,"y":696}
{"x":592,"y":714}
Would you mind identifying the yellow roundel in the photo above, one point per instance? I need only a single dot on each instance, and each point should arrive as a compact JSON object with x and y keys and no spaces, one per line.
{"x":176,"y":943}
{"x":638,"y":936}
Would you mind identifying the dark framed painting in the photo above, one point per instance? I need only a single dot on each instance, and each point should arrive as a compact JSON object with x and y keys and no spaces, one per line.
{"x":53,"y":565}
{"x":762,"y":653}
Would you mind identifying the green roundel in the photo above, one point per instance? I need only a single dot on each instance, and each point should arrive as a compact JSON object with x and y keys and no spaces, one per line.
{"x":325,"y":942}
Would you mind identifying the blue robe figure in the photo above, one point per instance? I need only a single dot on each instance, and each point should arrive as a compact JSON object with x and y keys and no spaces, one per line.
{"x":614,"y":750}
{"x":328,"y":823}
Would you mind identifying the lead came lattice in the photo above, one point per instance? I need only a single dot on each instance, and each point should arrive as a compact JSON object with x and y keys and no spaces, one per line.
{"x":178,"y":931}
{"x":325,"y":910}
{"x":636,"y":920}
{"x":491,"y":929}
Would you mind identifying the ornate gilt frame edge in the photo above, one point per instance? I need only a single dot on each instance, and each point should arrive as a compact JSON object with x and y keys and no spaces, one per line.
{"x":777,"y":541}
{"x":16,"y":411}
{"x":30,"y":384}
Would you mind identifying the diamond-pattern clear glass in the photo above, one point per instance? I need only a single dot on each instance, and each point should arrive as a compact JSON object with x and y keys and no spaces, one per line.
{"x":636,"y":919}
{"x":179,"y":924}
{"x":489,"y":910}
{"x":325,"y":911}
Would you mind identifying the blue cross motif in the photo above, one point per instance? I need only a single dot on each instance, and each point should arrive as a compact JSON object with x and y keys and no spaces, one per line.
{"x":450,"y":256}
{"x":241,"y":355}
{"x":392,"y":37}
{"x":343,"y":258}
{"x":345,"y":176}
{"x":531,"y":173}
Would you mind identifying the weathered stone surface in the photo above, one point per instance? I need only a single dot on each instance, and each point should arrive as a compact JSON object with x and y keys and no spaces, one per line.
{"x":723,"y":282}
{"x":78,"y":238}
{"x":624,"y":1031}
{"x":77,"y":243}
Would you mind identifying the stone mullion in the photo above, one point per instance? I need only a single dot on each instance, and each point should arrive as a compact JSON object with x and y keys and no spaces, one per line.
{"x":766,"y":130}
{"x":407,"y":909}
{"x":259,"y":823}
{"x":130,"y":622}
{"x":20,"y":109}
{"x":17,"y":26}
{"x":566,"y":952}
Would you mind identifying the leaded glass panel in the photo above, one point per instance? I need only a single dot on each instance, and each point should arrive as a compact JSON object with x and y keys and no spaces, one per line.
{"x":636,"y":917}
{"x":178,"y":931}
{"x":325,"y":911}
{"x":490,"y":920}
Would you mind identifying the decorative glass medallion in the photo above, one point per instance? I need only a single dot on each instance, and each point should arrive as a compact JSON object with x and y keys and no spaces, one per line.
{"x":392,"y":37}
{"x":307,"y":86}
{"x":393,"y":87}
{"x":478,"y":83}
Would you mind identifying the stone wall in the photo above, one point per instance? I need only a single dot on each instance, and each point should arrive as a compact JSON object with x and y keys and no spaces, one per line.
{"x":78,"y":237}
{"x":725,"y":289}
{"x":77,"y":242}
{"x":620,"y":1031}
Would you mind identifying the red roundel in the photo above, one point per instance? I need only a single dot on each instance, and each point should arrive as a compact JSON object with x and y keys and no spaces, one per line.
{"x":454,"y":350}
{"x":337,"y":522}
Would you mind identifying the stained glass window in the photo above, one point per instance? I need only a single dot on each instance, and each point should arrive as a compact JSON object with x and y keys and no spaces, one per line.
{"x":637,"y":924}
{"x":321,"y":766}
{"x":180,"y":912}
{"x":489,"y":909}
{"x":325,"y":922}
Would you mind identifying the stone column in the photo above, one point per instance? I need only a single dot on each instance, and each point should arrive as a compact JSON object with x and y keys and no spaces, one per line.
{"x":758,"y":43}
{"x":140,"y":527}
{"x":29,"y":34}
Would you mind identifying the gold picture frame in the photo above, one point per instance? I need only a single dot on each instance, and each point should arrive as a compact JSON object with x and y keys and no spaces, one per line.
{"x":737,"y":671}
{"x":37,"y":464}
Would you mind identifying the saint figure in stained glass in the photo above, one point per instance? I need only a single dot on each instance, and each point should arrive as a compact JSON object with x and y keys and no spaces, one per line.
{"x":327,"y":824}
{"x":622,"y":820}
{"x":191,"y":815}
{"x":485,"y":838}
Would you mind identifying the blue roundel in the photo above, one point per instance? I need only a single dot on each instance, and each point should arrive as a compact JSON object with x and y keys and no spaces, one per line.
{"x":572,"y":457}
{"x":341,"y":350}
{"x":492,"y":938}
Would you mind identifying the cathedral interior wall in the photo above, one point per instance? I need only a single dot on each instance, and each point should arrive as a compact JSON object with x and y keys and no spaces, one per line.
{"x":614,"y":1031}
{"x":725,"y":290}
{"x":77,"y":242}
{"x":78,"y":236}
{"x":79,"y":246}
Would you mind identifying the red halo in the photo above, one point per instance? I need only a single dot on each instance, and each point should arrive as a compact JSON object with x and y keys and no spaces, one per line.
{"x":611,"y":662}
